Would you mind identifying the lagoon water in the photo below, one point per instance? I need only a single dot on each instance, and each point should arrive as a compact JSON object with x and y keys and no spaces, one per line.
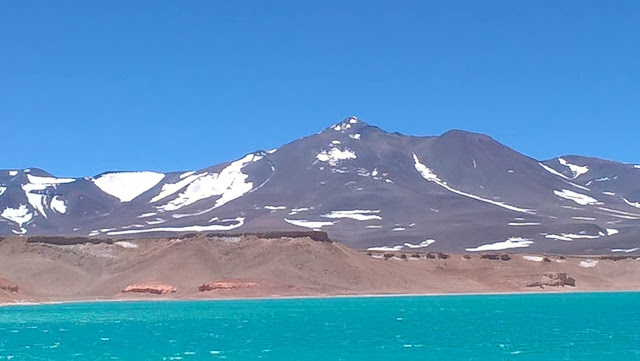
{"x":590,"y":326}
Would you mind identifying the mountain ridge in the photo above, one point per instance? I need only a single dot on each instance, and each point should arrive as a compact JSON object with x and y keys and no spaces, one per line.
{"x":364,"y":186}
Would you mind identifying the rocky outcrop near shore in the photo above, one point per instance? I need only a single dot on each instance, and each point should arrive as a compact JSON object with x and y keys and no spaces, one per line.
{"x":156,"y":288}
{"x":554,"y":280}
{"x":6,"y":285}
{"x":225,"y":285}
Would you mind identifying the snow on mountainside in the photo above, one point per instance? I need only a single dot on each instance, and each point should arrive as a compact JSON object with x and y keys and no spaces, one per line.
{"x":127,"y":185}
{"x":367,"y":188}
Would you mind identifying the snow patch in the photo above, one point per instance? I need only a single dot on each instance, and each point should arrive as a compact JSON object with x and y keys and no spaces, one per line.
{"x":335,"y":155}
{"x":533,"y":258}
{"x":422,"y":244}
{"x":13,"y":173}
{"x":239,"y":222}
{"x":622,"y":250}
{"x":579,"y":198}
{"x":34,"y":196}
{"x":125,"y":244}
{"x":186,"y":174}
{"x":609,"y":193}
{"x":588,"y":263}
{"x":385,"y":248}
{"x":34,"y":191}
{"x":2,"y":190}
{"x":429,"y":175}
{"x":513,"y":242}
{"x":229,"y":184}
{"x":569,"y":237}
{"x":358,"y":215}
{"x":126,"y":186}
{"x":345,"y":125}
{"x":553,"y":171}
{"x":636,"y":166}
{"x":299,"y":209}
{"x":341,"y":127}
{"x":612,"y":231}
{"x":524,"y":224}
{"x":48,"y":180}
{"x":58,"y":205}
{"x":171,"y":188}
{"x":20,"y":215}
{"x":632,"y":204}
{"x":156,"y":221}
{"x":145,"y":215}
{"x":603,"y":179}
{"x":309,"y":224}
{"x":583,"y":218}
{"x":355,"y":136}
{"x":275,"y":208}
{"x":577,"y":170}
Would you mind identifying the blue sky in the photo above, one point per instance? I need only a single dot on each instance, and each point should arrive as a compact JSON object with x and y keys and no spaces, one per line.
{"x":88,"y":86}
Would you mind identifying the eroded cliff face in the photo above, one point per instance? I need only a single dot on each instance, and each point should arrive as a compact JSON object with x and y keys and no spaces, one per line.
{"x":225,"y":285}
{"x":154,"y":288}
{"x":554,"y":279}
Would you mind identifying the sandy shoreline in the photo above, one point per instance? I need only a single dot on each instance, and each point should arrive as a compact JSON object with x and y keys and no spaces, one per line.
{"x":276,"y":298}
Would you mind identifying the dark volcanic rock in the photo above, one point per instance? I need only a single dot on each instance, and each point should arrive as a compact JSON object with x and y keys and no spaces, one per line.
{"x":67,"y":241}
{"x":496,"y":257}
{"x":438,"y":255}
{"x":618,"y":258}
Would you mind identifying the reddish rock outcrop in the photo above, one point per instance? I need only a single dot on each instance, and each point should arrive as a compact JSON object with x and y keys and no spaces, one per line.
{"x":6,"y":285}
{"x":225,"y":285}
{"x":156,"y":288}
{"x":554,"y":280}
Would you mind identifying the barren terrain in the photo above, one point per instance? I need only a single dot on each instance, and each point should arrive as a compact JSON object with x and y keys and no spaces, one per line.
{"x":244,"y":266}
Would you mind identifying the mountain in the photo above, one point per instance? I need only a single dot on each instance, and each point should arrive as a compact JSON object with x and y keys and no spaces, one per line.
{"x":366,"y":187}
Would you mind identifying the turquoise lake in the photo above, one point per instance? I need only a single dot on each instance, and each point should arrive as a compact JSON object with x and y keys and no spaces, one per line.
{"x":589,"y":326}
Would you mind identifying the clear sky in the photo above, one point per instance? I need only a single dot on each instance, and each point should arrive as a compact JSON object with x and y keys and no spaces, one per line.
{"x":88,"y":86}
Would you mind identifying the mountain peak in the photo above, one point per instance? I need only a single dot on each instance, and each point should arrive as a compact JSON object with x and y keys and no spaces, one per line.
{"x":349,"y":123}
